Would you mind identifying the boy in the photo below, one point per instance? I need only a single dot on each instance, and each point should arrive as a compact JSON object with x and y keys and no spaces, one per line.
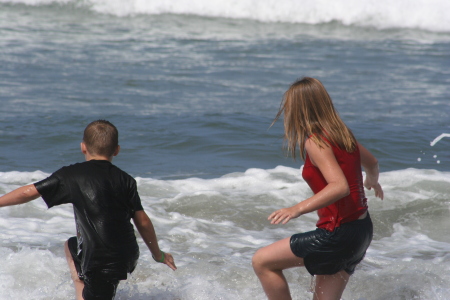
{"x":104,"y":199}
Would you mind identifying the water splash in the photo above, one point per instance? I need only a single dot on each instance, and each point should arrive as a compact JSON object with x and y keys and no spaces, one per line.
{"x":437,"y":139}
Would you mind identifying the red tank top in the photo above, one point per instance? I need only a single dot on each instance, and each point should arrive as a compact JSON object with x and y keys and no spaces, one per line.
{"x":349,"y":208}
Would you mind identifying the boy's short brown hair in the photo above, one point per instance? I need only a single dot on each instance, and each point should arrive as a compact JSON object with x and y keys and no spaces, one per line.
{"x":101,"y":138}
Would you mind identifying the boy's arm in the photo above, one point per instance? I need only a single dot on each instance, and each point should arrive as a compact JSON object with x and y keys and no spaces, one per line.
{"x":21,"y":195}
{"x":145,"y":227}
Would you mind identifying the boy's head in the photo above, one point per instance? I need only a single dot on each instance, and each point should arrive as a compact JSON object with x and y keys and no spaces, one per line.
{"x":101,"y":138}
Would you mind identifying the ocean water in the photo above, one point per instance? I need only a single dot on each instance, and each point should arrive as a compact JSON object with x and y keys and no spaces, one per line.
{"x":193,"y":87}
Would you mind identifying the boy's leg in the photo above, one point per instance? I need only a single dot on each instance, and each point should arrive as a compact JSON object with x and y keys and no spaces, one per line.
{"x":269,"y":263}
{"x":330,"y":287}
{"x":78,"y":283}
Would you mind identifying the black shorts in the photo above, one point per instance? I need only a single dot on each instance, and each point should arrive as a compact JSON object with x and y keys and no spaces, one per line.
{"x":326,"y":253}
{"x":98,"y":285}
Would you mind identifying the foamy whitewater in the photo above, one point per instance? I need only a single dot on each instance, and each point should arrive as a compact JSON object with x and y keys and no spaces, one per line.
{"x":422,"y":14}
{"x":193,"y":87}
{"x":213,"y":227}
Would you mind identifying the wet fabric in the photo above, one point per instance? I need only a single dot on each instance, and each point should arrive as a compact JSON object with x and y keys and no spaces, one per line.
{"x":326,"y":253}
{"x":349,"y":208}
{"x":99,"y":287}
{"x":104,"y":199}
{"x":76,"y":255}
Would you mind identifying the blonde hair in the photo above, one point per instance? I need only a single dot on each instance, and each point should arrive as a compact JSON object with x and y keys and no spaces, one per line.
{"x":101,"y":138}
{"x":309,"y":113}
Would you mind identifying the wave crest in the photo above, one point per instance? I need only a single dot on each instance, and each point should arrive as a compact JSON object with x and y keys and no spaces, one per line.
{"x":382,"y":14}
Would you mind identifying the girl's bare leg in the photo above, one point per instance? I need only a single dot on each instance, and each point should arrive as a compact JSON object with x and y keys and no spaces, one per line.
{"x":78,"y":283}
{"x":330,"y":287}
{"x":269,"y":263}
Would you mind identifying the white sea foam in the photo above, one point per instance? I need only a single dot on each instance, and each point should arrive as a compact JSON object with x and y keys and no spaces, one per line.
{"x":437,"y":139}
{"x":422,"y":14}
{"x":214,"y":226}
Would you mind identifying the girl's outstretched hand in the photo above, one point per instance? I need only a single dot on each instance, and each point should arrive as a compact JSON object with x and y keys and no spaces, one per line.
{"x":373,"y":184}
{"x":284,"y":215}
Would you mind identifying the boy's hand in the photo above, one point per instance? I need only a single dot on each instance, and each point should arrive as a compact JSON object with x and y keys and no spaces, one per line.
{"x":168,"y":260}
{"x":165,"y":258}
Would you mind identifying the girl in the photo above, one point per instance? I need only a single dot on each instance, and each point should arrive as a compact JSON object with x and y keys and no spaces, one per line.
{"x":332,"y":169}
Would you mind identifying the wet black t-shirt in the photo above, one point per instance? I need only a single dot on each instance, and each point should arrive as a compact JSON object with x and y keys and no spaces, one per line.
{"x":104,"y":199}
